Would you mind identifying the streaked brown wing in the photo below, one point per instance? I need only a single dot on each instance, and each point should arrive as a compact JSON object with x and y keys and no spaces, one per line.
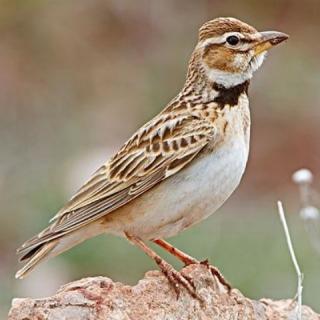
{"x":158,"y":150}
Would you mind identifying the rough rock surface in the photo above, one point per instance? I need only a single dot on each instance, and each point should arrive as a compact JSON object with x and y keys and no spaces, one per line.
{"x":152,"y":298}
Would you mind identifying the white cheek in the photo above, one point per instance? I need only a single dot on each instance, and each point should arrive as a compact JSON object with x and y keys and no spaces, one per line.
{"x":257,"y":62}
{"x":239,"y":61}
{"x":229,"y":79}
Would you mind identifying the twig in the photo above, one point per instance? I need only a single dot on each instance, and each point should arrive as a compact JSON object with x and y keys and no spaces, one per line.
{"x":294,"y":260}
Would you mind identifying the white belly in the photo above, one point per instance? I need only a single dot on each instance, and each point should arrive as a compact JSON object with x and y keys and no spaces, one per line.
{"x":187,"y":197}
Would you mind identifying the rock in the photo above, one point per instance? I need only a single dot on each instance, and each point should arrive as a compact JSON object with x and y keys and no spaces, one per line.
{"x":152,"y":298}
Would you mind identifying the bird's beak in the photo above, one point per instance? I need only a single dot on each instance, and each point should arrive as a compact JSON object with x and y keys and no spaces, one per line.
{"x":267,"y":40}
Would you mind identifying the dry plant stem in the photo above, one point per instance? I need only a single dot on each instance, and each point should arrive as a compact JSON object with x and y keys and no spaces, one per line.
{"x":187,"y":260}
{"x":294,"y":260}
{"x":175,"y":278}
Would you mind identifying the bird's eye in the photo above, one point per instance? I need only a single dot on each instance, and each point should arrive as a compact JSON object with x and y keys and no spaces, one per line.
{"x":233,"y":40}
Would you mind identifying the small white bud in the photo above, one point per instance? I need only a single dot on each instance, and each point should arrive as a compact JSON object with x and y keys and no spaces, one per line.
{"x":309,"y":213}
{"x":302,"y":176}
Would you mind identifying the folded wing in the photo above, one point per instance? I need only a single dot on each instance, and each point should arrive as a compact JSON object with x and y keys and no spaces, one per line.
{"x":158,"y":150}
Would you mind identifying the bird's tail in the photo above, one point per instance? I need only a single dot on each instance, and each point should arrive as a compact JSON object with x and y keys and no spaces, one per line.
{"x":35,"y":256}
{"x":48,"y":244}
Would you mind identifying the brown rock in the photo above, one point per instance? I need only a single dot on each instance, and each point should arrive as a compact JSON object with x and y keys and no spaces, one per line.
{"x":152,"y":298}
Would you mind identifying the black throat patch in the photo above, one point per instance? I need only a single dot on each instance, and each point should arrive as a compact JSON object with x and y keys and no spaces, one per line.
{"x":231,"y":95}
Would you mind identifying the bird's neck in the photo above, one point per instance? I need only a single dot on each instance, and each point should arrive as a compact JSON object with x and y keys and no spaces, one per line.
{"x":211,"y":91}
{"x":200,"y":89}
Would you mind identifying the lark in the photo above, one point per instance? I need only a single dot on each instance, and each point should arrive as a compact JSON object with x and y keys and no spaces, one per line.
{"x":178,"y":168}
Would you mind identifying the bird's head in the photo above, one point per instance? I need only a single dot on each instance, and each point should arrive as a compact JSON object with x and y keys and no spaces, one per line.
{"x":229,"y":51}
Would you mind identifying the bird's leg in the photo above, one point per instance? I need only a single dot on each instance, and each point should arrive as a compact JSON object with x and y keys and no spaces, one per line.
{"x":187,"y":260}
{"x":175,"y":278}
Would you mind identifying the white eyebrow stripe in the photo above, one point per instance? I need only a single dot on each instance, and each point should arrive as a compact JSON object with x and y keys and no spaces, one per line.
{"x":221,"y":39}
{"x":213,"y":40}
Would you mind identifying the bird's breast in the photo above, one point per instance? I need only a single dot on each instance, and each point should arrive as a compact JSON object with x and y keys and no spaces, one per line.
{"x":196,"y":191}
{"x":187,"y":197}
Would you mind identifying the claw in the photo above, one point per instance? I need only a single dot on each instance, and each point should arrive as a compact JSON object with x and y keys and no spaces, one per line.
{"x":215,"y":272}
{"x":178,"y":280}
{"x":187,"y":260}
{"x":190,"y":280}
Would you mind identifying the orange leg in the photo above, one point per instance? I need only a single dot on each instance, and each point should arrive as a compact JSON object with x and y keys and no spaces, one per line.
{"x":175,"y":278}
{"x":187,"y":260}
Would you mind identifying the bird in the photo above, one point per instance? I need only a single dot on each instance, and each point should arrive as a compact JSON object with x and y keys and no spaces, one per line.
{"x":178,"y":168}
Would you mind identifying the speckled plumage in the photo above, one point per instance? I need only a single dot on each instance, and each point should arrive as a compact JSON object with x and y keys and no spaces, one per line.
{"x":179,"y":167}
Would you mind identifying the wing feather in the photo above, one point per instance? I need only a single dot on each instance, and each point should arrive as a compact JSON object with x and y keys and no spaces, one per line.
{"x":158,"y":150}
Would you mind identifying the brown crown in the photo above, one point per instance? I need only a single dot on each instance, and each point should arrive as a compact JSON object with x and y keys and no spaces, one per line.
{"x":219,"y":26}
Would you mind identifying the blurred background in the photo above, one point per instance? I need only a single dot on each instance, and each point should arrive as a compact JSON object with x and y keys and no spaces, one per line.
{"x":77,"y":78}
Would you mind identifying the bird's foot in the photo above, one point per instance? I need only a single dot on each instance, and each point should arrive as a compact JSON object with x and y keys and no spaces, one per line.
{"x":178,"y":280}
{"x":188,"y":260}
{"x":216,"y":273}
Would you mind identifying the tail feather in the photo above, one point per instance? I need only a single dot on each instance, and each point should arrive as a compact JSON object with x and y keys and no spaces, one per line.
{"x":36,"y":255}
{"x":42,"y":238}
{"x":29,"y":253}
{"x":48,"y":244}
